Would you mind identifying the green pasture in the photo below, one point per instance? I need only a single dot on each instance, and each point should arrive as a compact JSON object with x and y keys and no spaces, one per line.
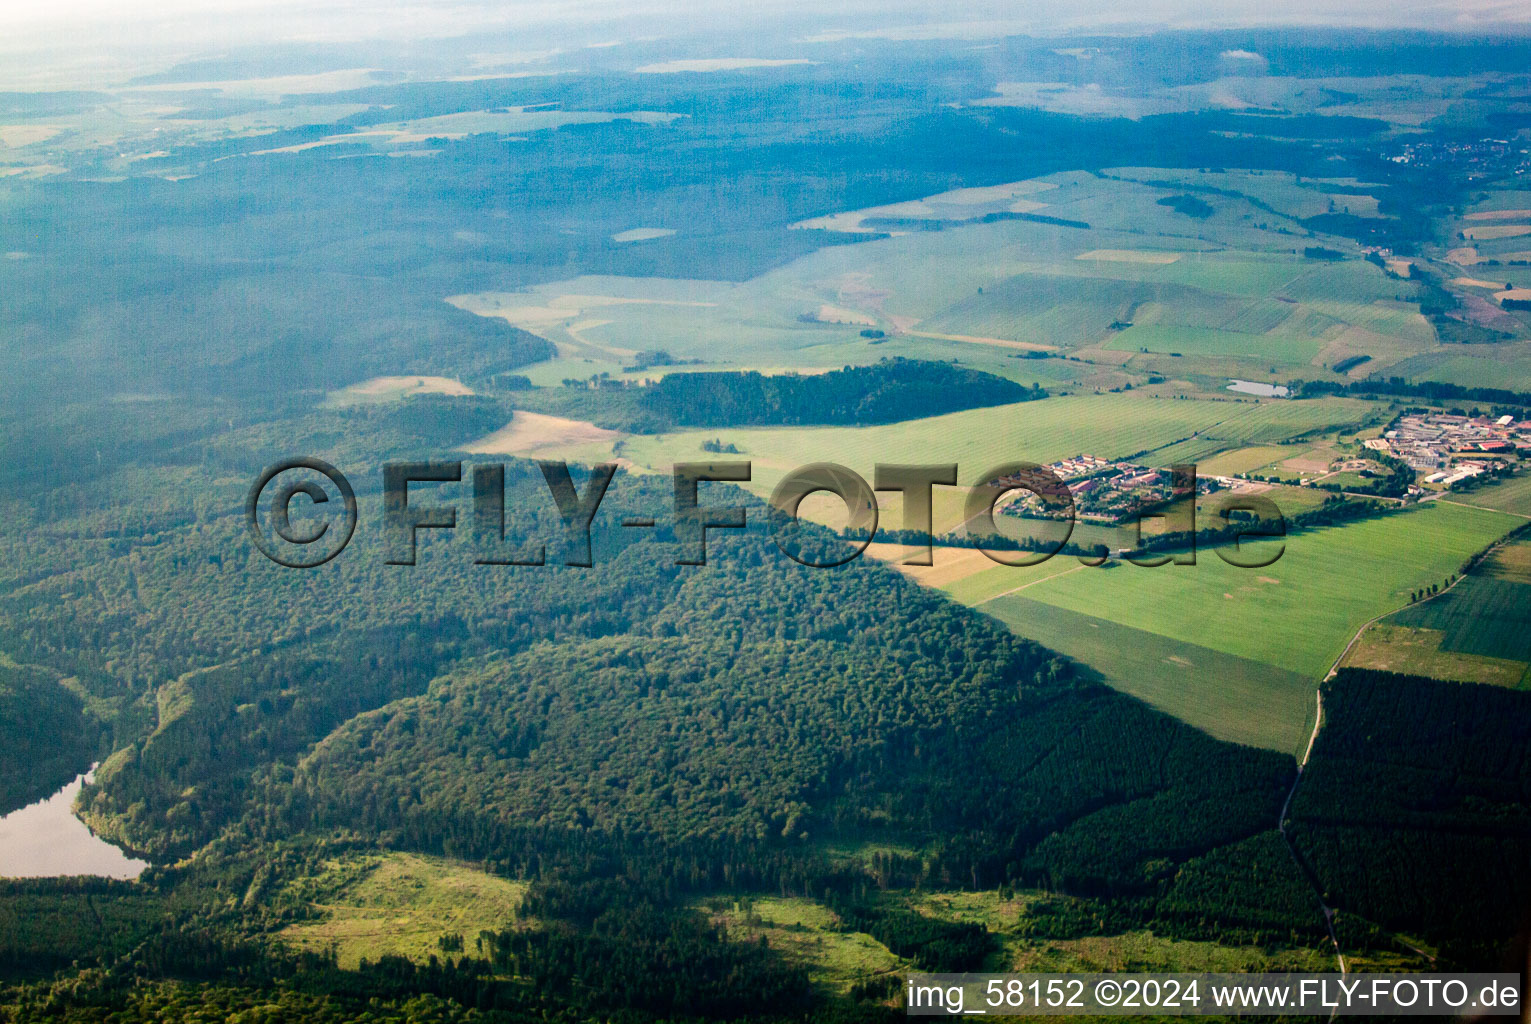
{"x":1203,"y":341}
{"x":1512,"y":495}
{"x":1233,"y":698}
{"x":1299,"y":612}
{"x":1488,"y":613}
{"x":1506,"y":365}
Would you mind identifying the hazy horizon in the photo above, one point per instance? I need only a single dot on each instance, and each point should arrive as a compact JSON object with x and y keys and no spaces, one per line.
{"x":76,"y":42}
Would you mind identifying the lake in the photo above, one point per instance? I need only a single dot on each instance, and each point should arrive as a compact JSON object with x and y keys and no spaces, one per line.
{"x":1251,"y":387}
{"x":46,"y":840}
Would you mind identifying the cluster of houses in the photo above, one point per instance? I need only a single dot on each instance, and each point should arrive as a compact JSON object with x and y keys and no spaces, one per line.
{"x":1443,"y":449}
{"x":1479,"y":158}
{"x":1105,"y":491}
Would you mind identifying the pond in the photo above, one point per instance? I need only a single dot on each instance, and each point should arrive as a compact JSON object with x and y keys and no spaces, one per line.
{"x":46,"y":840}
{"x":1252,"y":387}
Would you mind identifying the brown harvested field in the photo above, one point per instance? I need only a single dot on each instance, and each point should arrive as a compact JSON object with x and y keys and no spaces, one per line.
{"x":1498,"y":215}
{"x":998,"y":342}
{"x":1465,"y":256}
{"x":950,"y":564}
{"x":391,"y":389}
{"x":1497,"y":231}
{"x":1473,"y":282}
{"x":1315,"y":460}
{"x":1130,"y":256}
{"x":1411,"y":651}
{"x":1518,"y":294}
{"x":1476,"y":309}
{"x":839,"y":315}
{"x":532,"y":433}
{"x":17,"y":135}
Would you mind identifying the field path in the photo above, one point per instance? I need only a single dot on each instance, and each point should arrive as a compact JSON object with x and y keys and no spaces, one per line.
{"x":1023,"y":586}
{"x":1444,"y":590}
{"x":1318,"y":723}
{"x":1302,"y":865}
{"x":1027,"y":346}
{"x":1483,"y":508}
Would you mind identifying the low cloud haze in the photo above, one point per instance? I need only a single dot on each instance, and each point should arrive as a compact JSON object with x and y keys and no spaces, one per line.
{"x":79,"y":43}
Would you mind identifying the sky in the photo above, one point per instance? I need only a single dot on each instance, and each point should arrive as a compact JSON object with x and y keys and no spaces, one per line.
{"x":67,"y":38}
{"x":334,"y":20}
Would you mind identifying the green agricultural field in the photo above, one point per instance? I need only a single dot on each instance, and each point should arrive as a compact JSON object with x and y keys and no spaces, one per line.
{"x":1243,"y":460}
{"x":1511,"y":562}
{"x":1279,"y":190}
{"x":1293,"y":500}
{"x":1040,"y":308}
{"x":1482,"y":615}
{"x":1233,"y":698}
{"x":1349,"y":282}
{"x":553,"y":372}
{"x":1110,"y":426}
{"x":1196,"y":449}
{"x":1279,"y":421}
{"x":1203,"y":341}
{"x":976,"y":440}
{"x":1474,"y":366}
{"x":1255,"y":277}
{"x":1236,"y":652}
{"x":1263,"y":423}
{"x":1301,"y":611}
{"x":1232,"y":293}
{"x":977,"y":583}
{"x":1512,"y":495}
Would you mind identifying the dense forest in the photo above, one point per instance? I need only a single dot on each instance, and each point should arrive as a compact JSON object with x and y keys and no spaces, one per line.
{"x":631,"y":735}
{"x":884,"y":392}
{"x":1413,"y":809}
{"x":894,"y":389}
{"x":643,"y":734}
{"x":46,"y":737}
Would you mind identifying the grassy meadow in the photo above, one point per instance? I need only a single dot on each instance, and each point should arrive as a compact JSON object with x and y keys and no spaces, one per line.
{"x":400,"y":904}
{"x":1301,"y":611}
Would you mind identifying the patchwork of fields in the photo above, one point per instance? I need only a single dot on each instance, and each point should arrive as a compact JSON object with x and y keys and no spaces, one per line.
{"x":1119,"y":284}
{"x":1237,"y":652}
{"x":1234,"y":651}
{"x":1158,"y":431}
{"x":1117,"y":279}
{"x":1487,"y":614}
